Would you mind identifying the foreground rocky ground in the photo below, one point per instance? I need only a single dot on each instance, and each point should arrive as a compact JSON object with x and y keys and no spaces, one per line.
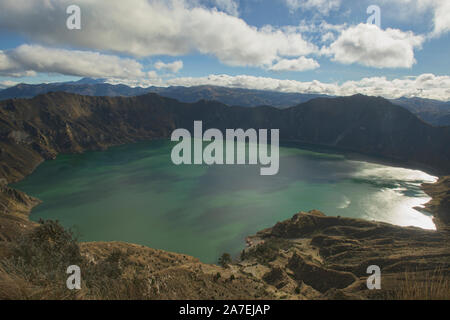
{"x":328,"y":257}
{"x":310,"y":256}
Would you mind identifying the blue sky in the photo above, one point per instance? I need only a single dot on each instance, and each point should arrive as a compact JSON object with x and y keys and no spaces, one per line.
{"x":311,"y":46}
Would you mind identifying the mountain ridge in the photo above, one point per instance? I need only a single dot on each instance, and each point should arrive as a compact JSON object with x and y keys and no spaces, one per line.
{"x":62,"y":122}
{"x":434,"y":112}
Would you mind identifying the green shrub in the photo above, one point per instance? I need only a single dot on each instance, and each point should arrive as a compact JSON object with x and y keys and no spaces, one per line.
{"x":225,"y":260}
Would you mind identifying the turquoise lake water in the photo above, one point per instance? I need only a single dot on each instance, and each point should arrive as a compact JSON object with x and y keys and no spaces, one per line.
{"x":135,"y":194}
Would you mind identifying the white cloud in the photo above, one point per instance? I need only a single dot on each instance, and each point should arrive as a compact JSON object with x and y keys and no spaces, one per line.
{"x":441,"y":17}
{"x":371,"y":46}
{"x":329,"y":36}
{"x":152,"y":80}
{"x":322,"y":6}
{"x":300,"y":64}
{"x":228,"y":6}
{"x":153,"y":27}
{"x":440,"y":9}
{"x":10,"y":68}
{"x":425,"y":86}
{"x":441,"y":14}
{"x":152,"y":75}
{"x":173,"y":67}
{"x":7,"y":83}
{"x":29,"y":59}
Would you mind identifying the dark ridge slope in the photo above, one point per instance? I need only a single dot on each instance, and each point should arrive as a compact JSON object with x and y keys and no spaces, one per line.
{"x":40,"y":128}
{"x":372,"y":126}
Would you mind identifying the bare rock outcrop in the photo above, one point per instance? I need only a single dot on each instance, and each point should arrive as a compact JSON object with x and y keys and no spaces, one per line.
{"x":331,"y":255}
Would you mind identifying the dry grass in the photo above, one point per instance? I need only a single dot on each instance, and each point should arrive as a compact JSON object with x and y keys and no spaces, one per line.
{"x":14,"y":287}
{"x":430,"y":285}
{"x":35,"y":269}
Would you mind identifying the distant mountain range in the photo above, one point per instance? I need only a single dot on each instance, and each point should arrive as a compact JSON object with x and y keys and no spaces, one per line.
{"x":434,"y":112}
{"x":228,"y":96}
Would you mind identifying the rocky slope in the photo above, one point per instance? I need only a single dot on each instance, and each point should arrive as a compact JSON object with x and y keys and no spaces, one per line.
{"x":310,"y":256}
{"x":290,"y":260}
{"x":440,"y":204}
{"x":329,"y":256}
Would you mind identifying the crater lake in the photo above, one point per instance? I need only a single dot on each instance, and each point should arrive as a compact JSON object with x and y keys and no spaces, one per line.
{"x":134,"y":193}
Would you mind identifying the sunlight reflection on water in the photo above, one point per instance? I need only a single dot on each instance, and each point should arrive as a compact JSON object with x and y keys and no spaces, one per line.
{"x":394,"y":205}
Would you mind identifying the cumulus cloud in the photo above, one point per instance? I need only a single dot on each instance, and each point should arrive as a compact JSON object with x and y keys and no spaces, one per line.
{"x":439,"y":9}
{"x":322,"y":6}
{"x":427,"y":86}
{"x":441,"y":17}
{"x":173,"y":67}
{"x":228,"y":6}
{"x":329,"y":36}
{"x":153,"y":27}
{"x":7,"y":83}
{"x":371,"y":46}
{"x":300,"y":64}
{"x":29,"y":59}
{"x":152,"y":80}
{"x":441,"y":13}
{"x":10,"y":68}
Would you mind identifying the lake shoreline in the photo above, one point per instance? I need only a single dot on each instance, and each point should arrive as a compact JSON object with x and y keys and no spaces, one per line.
{"x":355,"y":156}
{"x":349,"y":155}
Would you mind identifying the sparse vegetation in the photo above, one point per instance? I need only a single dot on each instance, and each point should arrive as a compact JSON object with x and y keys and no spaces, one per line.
{"x":423,"y":286}
{"x":225,"y":260}
{"x":267,"y":251}
{"x":34,"y":267}
{"x":37,"y":269}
